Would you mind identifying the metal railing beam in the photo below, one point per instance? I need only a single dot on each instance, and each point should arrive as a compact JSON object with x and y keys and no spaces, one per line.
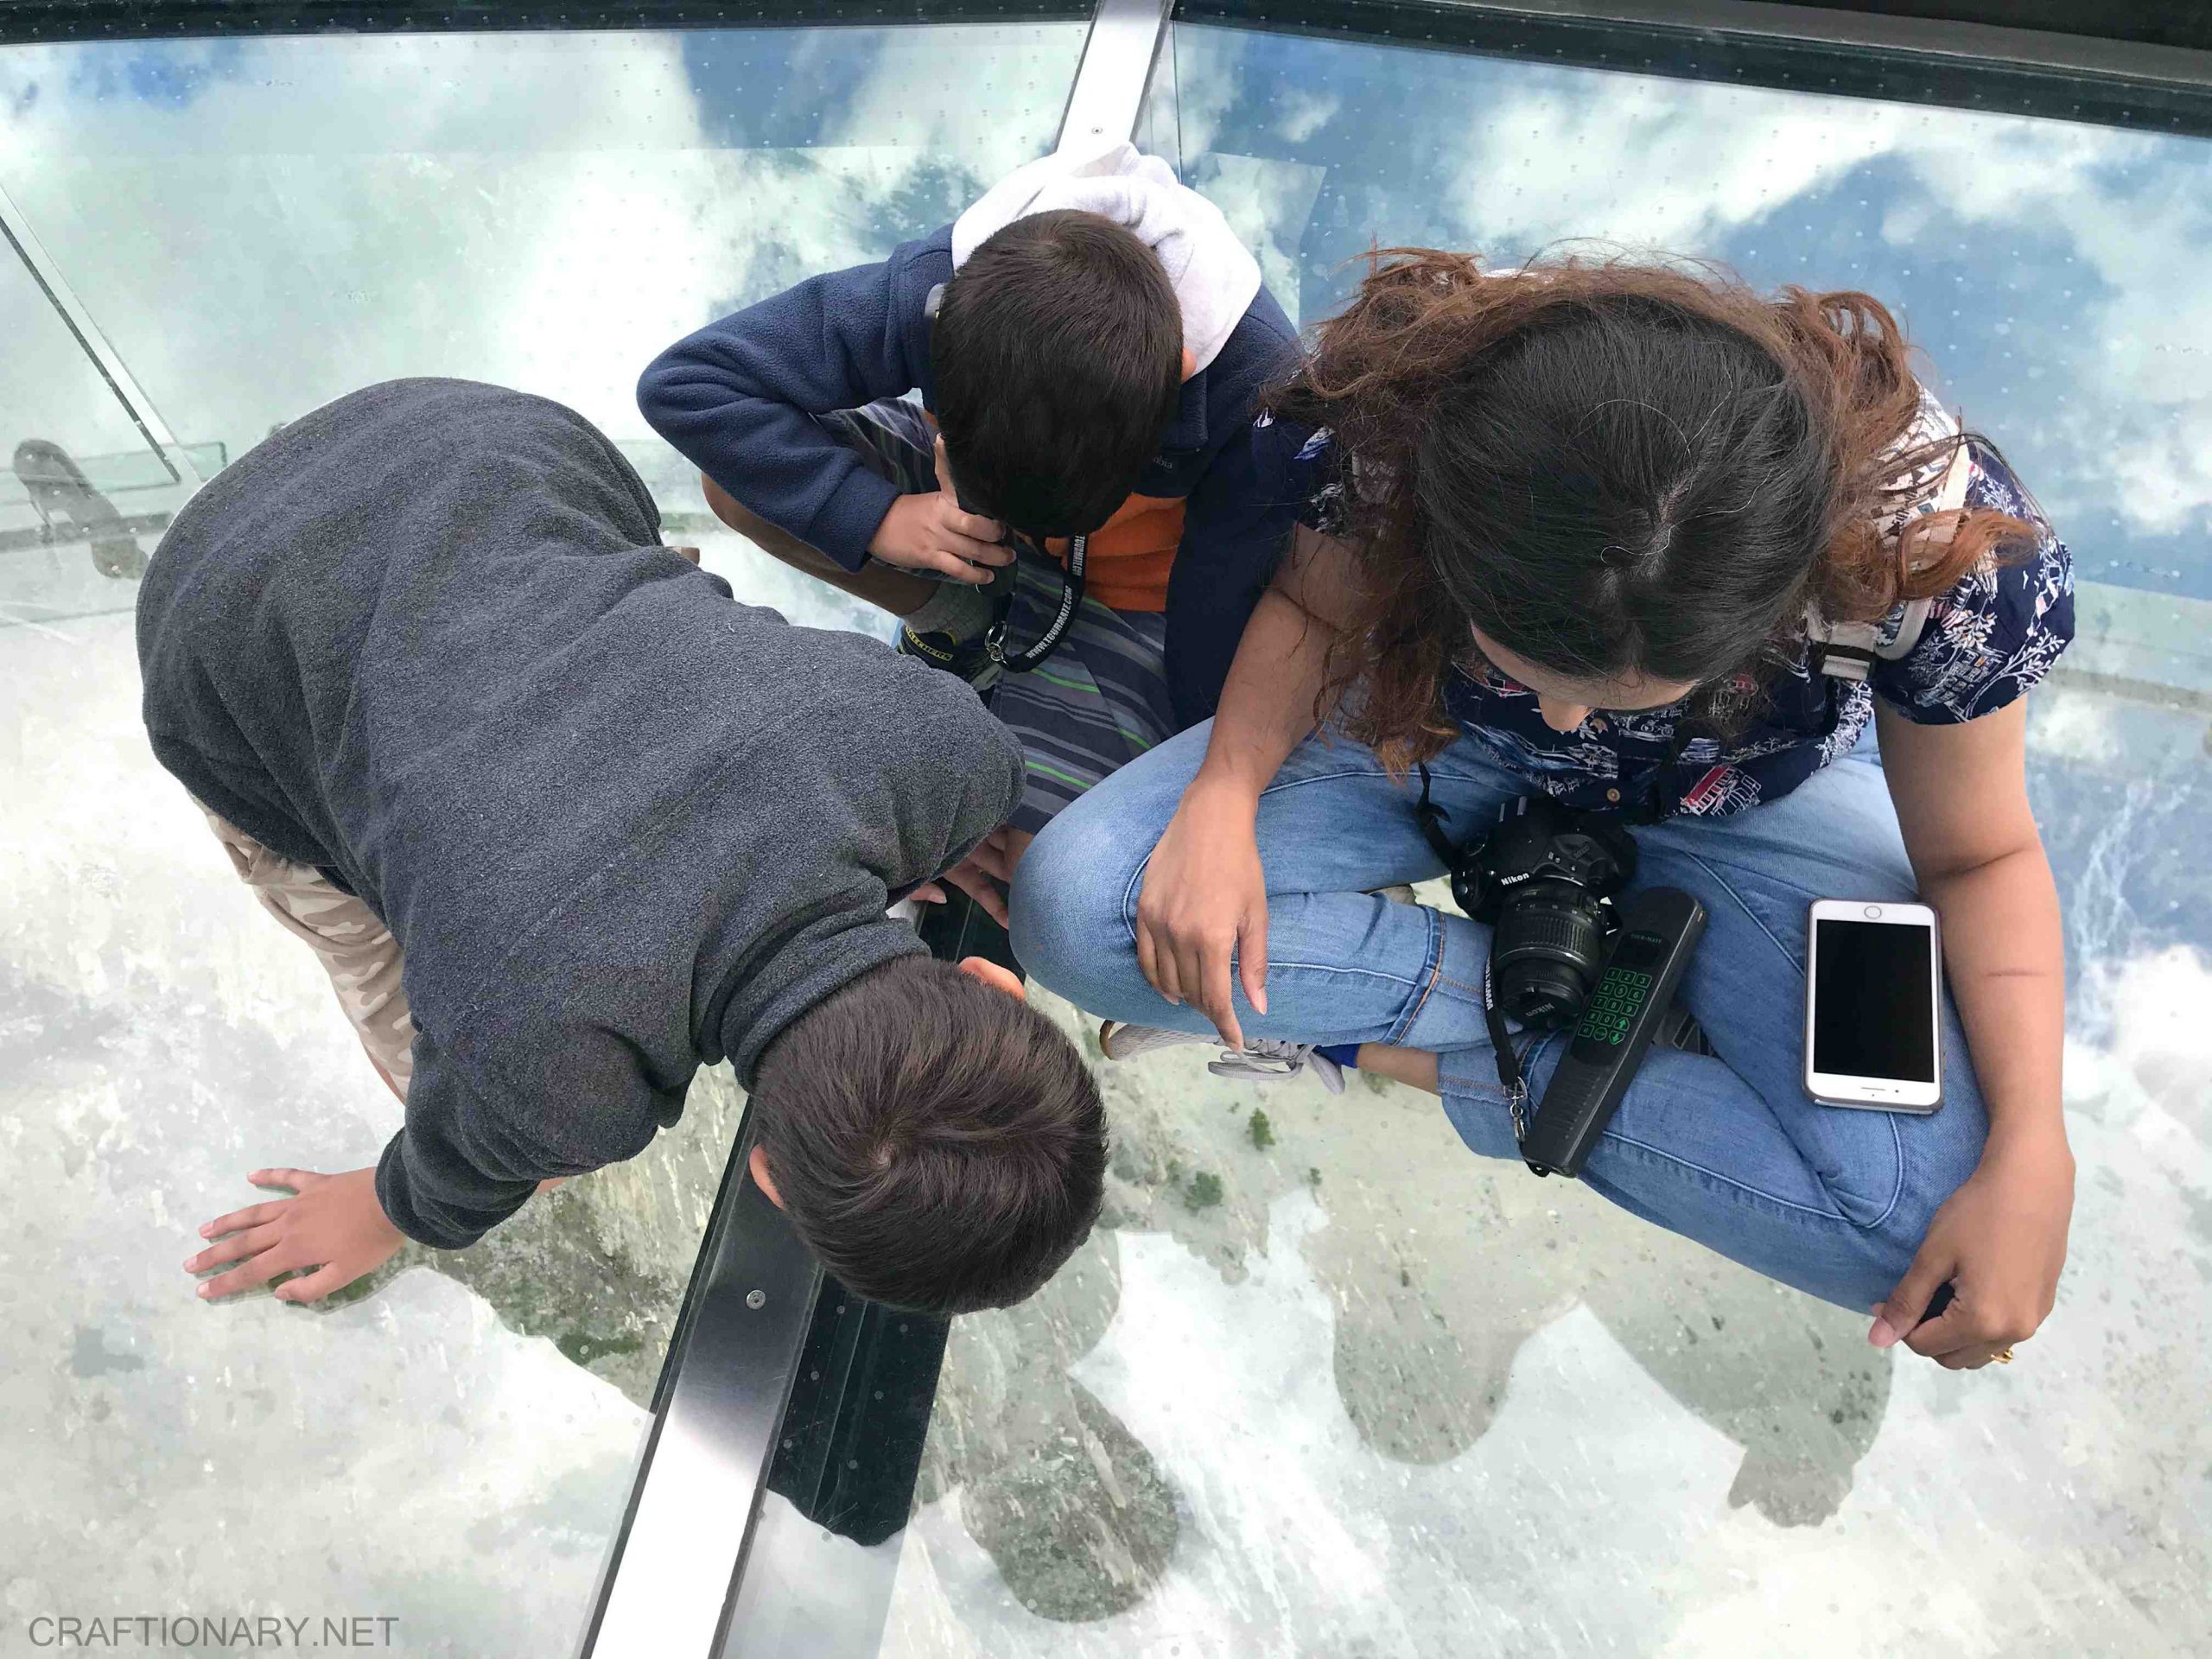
{"x":78,"y":320}
{"x":1117,"y":67}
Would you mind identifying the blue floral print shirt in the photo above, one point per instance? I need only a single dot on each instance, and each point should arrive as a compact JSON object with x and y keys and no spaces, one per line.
{"x":1992,"y":636}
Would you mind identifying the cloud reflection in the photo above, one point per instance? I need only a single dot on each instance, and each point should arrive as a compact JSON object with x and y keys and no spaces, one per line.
{"x":2050,"y":269}
{"x":262,"y":226}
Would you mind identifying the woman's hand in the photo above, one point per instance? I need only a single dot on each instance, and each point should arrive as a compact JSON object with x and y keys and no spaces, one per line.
{"x":2000,"y":1241}
{"x":1206,"y":901}
{"x":335,"y":1227}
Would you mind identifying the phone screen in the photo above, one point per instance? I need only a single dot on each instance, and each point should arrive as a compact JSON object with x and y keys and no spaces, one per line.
{"x":1873,"y":1000}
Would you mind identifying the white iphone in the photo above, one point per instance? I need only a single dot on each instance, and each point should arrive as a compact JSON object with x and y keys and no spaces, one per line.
{"x":1874,"y":989}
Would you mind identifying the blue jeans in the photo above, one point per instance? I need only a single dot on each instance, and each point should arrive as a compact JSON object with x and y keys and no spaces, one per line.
{"x":1727,"y":1150}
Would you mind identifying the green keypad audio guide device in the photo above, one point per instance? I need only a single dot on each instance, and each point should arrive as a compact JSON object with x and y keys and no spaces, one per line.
{"x":1659,"y":932}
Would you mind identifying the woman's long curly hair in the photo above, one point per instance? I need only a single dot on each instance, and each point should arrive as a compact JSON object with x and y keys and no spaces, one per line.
{"x":1612,"y":468}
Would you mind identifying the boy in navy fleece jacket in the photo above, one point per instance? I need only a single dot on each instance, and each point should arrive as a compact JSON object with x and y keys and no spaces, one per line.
{"x":1088,"y":341}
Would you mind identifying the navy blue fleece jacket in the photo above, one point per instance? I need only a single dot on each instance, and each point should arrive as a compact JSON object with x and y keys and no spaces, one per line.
{"x":738,"y":400}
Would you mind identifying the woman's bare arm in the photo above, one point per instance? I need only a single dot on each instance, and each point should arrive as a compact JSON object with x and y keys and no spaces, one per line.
{"x":1267,"y":705}
{"x":1205,"y":900}
{"x":1961,"y":800}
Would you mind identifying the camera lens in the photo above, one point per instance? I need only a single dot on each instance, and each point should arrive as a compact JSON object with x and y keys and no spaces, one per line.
{"x":1547,"y":953}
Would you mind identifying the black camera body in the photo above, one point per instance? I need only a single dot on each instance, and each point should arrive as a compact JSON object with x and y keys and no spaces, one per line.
{"x":1544,"y":881}
{"x":1563,"y":953}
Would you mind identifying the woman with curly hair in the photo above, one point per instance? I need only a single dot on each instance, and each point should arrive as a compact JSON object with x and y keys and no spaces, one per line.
{"x":1582,"y":530}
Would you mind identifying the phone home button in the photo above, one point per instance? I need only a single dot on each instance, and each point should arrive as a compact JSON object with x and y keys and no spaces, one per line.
{"x":1873,"y":911}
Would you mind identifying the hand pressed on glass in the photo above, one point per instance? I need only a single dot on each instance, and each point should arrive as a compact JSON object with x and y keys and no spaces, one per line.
{"x":335,"y":1232}
{"x":335,"y":1227}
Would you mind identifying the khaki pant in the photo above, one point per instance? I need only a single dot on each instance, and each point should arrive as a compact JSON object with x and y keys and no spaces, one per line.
{"x":357,"y":949}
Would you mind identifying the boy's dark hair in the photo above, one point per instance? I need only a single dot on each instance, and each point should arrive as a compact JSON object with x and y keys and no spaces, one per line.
{"x":1059,"y":354}
{"x":939,"y":1144}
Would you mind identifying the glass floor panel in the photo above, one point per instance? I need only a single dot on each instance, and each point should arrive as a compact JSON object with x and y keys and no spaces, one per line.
{"x":1325,"y":1383}
{"x":256,"y":227}
{"x":72,"y":451}
{"x":1322,"y":1384}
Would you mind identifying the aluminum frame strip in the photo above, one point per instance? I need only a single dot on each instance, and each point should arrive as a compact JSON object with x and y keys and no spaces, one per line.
{"x":677,"y":1570}
{"x":2153,"y":88}
{"x":1117,"y":68}
{"x":1966,"y":46}
{"x":1975,"y":41}
{"x":672,"y":1571}
{"x":23,"y":20}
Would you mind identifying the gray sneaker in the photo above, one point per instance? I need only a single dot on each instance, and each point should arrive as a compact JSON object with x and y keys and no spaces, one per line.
{"x":1262,"y":1059}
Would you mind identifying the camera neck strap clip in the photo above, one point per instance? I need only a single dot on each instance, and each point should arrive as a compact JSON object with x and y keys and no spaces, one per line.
{"x":1022,"y":661}
{"x":1509,"y":1077}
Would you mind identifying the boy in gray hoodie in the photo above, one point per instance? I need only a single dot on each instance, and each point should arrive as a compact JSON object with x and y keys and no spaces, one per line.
{"x":566,"y":822}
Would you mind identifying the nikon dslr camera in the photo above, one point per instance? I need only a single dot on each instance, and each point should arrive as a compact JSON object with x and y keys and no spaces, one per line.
{"x":1544,"y":880}
{"x":1564,"y":953}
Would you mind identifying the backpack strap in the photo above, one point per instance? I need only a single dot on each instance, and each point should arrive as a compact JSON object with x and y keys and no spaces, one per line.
{"x":1848,"y":650}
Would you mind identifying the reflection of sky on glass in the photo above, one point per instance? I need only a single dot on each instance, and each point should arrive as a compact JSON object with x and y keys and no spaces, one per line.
{"x":2052,"y":271}
{"x":260,"y":225}
{"x":161,"y":73}
{"x":548,"y":210}
{"x":43,"y":368}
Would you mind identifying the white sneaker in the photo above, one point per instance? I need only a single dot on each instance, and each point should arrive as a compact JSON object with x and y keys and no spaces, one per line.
{"x":1270,"y":1059}
{"x":1124,"y":1042}
{"x":1263,"y":1059}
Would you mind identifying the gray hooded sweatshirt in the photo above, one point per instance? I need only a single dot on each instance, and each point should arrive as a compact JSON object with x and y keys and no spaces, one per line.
{"x":427,"y":640}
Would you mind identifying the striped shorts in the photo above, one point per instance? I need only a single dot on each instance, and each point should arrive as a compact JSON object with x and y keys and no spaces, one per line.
{"x":1100,"y":700}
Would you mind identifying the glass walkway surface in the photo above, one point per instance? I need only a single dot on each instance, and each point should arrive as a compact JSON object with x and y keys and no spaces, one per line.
{"x":1322,"y":1384}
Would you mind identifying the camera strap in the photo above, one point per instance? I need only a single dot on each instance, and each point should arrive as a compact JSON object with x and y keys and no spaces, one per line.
{"x":1021,"y":661}
{"x":1509,"y":1077}
{"x":1432,"y":819}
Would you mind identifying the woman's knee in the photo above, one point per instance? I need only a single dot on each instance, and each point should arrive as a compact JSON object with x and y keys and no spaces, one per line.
{"x":1940,"y":1153}
{"x":1070,"y":900}
{"x":1075,"y":895}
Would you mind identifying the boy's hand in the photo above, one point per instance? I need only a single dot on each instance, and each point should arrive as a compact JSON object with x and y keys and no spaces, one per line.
{"x":984,"y":875}
{"x":929,"y":533}
{"x":335,"y":1227}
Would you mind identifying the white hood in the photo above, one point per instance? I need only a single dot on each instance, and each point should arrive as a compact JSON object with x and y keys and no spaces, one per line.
{"x":1215,"y":276}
